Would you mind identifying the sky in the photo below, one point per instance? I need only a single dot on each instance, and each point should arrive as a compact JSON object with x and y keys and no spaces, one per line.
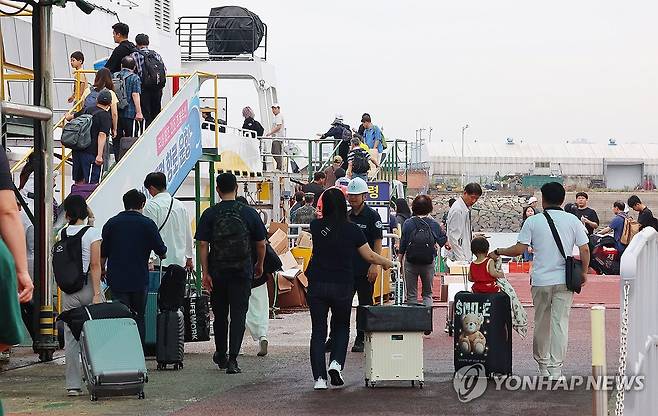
{"x":532,"y":71}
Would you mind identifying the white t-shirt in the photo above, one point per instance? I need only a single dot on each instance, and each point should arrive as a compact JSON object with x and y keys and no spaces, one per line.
{"x":278,"y":119}
{"x":548,"y":263}
{"x":92,"y":235}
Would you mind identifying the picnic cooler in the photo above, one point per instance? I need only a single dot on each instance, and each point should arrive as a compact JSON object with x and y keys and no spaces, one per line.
{"x":394,"y":339}
{"x":483,"y":331}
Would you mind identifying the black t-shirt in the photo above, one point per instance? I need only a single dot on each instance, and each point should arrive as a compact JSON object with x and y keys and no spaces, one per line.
{"x":334,"y":250}
{"x":645,"y":218}
{"x":249,"y":215}
{"x":590,"y":214}
{"x":101,"y":122}
{"x":6,"y":182}
{"x":370,"y":223}
{"x":316,"y":189}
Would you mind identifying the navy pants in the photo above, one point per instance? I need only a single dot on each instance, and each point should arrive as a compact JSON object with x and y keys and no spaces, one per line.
{"x":230,"y":295}
{"x":136,"y":301}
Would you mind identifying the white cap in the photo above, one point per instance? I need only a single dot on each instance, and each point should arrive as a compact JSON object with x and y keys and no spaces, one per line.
{"x":276,"y":105}
{"x":532,"y":200}
{"x":338,"y":117}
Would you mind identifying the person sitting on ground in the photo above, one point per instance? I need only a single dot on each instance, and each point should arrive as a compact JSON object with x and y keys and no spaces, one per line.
{"x":334,"y":171}
{"x":488,"y":277}
{"x":128,"y":240}
{"x":87,"y":163}
{"x":617,"y":225}
{"x":337,"y":242}
{"x":645,"y":216}
{"x":77,"y":60}
{"x":421,"y":236}
{"x":103,"y":81}
{"x":306,"y":213}
{"x":250,"y":122}
{"x":124,"y":48}
{"x":358,"y":161}
{"x":76,"y":211}
{"x":316,"y":187}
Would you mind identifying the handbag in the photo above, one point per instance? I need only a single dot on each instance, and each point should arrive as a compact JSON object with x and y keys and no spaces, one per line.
{"x":573,"y":267}
{"x":196,"y":313}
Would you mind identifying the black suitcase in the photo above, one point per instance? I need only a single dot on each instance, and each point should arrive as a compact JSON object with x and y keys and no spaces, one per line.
{"x":483,"y":331}
{"x":170,"y":346}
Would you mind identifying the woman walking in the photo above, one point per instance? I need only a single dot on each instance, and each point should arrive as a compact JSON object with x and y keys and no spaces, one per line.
{"x":250,"y":123}
{"x":102,"y":81}
{"x":527,"y":213}
{"x":76,"y":211}
{"x":418,"y":247}
{"x":336,"y":241}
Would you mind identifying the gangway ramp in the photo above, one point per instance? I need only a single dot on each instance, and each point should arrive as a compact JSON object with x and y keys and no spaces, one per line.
{"x":171,"y":144}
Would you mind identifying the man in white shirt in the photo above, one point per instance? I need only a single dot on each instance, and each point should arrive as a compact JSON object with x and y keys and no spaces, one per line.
{"x":460,"y":229}
{"x":278,"y":130}
{"x":172,"y":219}
{"x":550,"y":296}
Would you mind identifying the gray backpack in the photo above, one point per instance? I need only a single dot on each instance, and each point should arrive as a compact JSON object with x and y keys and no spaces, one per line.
{"x":76,"y":134}
{"x":119,"y":82}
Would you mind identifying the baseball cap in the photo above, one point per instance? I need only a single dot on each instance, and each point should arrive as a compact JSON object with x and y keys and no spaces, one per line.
{"x":338,"y":159}
{"x":276,"y":105}
{"x":104,"y":97}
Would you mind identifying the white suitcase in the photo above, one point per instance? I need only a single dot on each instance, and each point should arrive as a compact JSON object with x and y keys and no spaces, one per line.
{"x":394,"y":356}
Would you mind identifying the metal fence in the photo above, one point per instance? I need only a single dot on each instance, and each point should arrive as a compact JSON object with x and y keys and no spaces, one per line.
{"x":638,"y":346}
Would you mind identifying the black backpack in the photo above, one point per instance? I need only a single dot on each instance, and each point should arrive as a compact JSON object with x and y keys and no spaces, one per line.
{"x":231,"y":242}
{"x":421,"y":244}
{"x":153,"y":71}
{"x":67,"y":262}
{"x":346,"y":134}
{"x":360,"y":163}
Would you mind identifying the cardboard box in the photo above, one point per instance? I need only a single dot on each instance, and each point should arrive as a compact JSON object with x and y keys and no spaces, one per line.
{"x":279,"y":242}
{"x":304,"y":240}
{"x":295,"y":298}
{"x":275,"y":226}
{"x":288,"y":261}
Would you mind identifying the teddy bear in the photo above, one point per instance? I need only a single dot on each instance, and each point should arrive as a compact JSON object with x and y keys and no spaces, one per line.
{"x":471,"y":340}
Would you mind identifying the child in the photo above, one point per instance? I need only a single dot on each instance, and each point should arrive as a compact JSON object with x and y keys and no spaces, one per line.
{"x":77,"y":60}
{"x":488,"y":277}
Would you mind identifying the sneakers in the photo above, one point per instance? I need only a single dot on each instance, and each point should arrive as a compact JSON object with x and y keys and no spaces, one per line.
{"x":542,"y":371}
{"x":328,"y":345}
{"x":74,"y":392}
{"x":263,"y":347}
{"x":555,"y":373}
{"x":334,"y":374}
{"x":232,"y":367}
{"x":220,"y":360}
{"x":320,"y":384}
{"x":358,"y":346}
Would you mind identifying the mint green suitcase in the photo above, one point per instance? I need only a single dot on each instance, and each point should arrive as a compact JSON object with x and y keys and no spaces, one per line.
{"x":112,"y":358}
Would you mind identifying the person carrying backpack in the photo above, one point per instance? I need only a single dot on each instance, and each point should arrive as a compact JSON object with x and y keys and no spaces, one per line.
{"x":358,"y":161}
{"x":153,"y":73}
{"x":231,"y":239}
{"x":102,"y":81}
{"x":421,"y":236}
{"x":128,"y":88}
{"x":77,"y":269}
{"x":342,"y":133}
{"x":86,"y":134}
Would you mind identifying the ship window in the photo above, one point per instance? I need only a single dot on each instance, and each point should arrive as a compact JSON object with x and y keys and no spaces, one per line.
{"x":539,"y":165}
{"x":162,"y":13}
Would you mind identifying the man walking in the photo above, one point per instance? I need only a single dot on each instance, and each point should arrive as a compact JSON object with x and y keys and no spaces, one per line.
{"x":124,"y":48}
{"x":372,"y":135}
{"x":358,"y":161}
{"x":316,"y":187}
{"x":128,"y":239}
{"x":306,"y":213}
{"x":459,"y":227}
{"x":586,"y":214}
{"x":278,"y":130}
{"x":231,"y":239}
{"x":151,"y":70}
{"x":336,"y":170}
{"x":550,"y":296}
{"x":365,"y":274}
{"x":172,"y":219}
{"x":342,"y":133}
{"x":132,"y":109}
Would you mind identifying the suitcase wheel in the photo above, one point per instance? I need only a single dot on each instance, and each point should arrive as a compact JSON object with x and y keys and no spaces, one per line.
{"x":372,"y":384}
{"x":93,"y":398}
{"x":421,"y":384}
{"x":366,"y":381}
{"x":161,"y":366}
{"x":140,"y":395}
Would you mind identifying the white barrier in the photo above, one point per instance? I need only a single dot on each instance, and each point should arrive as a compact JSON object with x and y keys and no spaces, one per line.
{"x":639,"y":324}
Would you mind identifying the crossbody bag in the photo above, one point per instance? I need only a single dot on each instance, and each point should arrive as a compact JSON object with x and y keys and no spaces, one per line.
{"x":573,"y":267}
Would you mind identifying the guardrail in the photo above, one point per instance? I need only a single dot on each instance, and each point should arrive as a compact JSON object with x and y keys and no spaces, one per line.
{"x":638,"y":343}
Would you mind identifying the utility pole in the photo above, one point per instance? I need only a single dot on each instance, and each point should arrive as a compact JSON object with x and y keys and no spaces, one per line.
{"x":462,"y":158}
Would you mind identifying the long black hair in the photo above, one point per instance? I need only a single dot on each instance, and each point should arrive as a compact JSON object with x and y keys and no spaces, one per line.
{"x":334,"y":207}
{"x":402,"y":207}
{"x":75,"y":207}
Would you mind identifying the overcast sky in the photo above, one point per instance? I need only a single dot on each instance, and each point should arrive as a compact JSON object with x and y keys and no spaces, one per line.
{"x":541,"y":71}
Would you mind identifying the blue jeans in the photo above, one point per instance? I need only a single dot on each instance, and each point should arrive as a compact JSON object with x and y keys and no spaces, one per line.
{"x":85,"y":168}
{"x":322,"y":297}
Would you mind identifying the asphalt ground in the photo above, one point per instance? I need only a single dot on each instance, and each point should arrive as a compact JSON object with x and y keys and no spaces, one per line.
{"x":281,"y":383}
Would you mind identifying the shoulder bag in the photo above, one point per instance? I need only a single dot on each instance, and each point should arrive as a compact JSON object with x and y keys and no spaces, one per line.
{"x":573,"y":267}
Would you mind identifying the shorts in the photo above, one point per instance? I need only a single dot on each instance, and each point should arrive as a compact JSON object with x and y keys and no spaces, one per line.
{"x":84,"y":167}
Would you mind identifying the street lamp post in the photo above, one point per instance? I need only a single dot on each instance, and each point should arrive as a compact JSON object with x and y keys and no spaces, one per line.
{"x":462,"y":158}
